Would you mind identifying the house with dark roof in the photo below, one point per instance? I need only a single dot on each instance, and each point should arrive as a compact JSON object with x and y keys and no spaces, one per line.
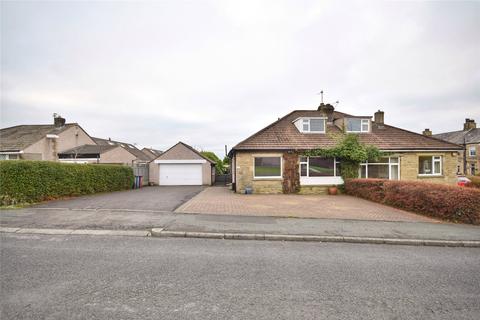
{"x":469,"y":139}
{"x":41,"y":142}
{"x":138,"y":155}
{"x":151,"y":153}
{"x":181,"y":165}
{"x":273,"y":161}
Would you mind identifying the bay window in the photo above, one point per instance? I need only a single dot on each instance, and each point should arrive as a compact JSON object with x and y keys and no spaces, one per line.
{"x":384,"y":168}
{"x":430,"y":165}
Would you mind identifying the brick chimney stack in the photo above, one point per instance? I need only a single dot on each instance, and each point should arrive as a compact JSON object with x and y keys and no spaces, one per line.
{"x":379,"y":117}
{"x":427,"y":132}
{"x":469,"y":124}
{"x":58,"y":121}
{"x":327,"y":110}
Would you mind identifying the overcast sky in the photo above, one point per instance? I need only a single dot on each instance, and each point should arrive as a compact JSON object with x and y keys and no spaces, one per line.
{"x":211,"y":73}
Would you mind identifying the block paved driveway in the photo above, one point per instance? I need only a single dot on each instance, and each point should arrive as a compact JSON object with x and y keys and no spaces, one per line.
{"x":159,"y":198}
{"x":221,"y":200}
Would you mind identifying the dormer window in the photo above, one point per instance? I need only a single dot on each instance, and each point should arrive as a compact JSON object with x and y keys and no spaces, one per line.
{"x":311,"y":125}
{"x":357,"y":125}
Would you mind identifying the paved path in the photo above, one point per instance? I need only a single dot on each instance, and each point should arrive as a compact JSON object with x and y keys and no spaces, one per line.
{"x":220,"y":200}
{"x":159,"y":198}
{"x":78,"y":277}
{"x":146,"y":220}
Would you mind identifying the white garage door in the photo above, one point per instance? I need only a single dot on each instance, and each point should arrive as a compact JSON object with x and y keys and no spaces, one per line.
{"x":180,"y":174}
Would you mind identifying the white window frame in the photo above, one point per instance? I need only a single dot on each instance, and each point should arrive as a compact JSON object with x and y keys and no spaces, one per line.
{"x":335,"y":161}
{"x":362,"y":122}
{"x":434,"y":159}
{"x":306,"y":121}
{"x":390,"y":164}
{"x":472,"y":151}
{"x":268,"y":177}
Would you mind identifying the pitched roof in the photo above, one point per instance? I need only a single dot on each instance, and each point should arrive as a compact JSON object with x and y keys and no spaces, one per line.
{"x":20,"y":137}
{"x":460,"y":137}
{"x":127,"y":146}
{"x":88,"y":149}
{"x":165,"y":153}
{"x":284,"y":135}
{"x":152,"y":153}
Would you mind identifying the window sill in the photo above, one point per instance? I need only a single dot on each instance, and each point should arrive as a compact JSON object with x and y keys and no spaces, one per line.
{"x":266,"y":178}
{"x":420,"y":176}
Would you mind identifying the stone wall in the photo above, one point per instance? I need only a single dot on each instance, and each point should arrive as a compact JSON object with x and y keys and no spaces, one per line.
{"x":409,"y":167}
{"x":244,"y":164}
{"x":291,"y":174}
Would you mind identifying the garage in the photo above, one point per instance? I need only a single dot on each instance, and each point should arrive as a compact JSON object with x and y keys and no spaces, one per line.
{"x":181,"y":165}
{"x":180,"y":174}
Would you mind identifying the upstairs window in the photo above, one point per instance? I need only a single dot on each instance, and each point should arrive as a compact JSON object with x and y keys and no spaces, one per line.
{"x":314,"y":125}
{"x":430,"y":165}
{"x":472,"y":152}
{"x":357,"y":125}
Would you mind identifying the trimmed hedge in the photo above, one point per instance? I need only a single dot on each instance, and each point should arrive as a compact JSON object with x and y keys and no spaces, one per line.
{"x":446,"y":202}
{"x":33,"y":181}
{"x":475,"y":182}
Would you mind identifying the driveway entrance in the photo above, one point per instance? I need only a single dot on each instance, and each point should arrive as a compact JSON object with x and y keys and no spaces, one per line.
{"x":162,"y":198}
{"x":220,"y":200}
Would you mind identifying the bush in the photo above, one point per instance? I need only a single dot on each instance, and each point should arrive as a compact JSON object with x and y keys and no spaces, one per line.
{"x":34,"y":181}
{"x":370,"y":189}
{"x":446,"y":202}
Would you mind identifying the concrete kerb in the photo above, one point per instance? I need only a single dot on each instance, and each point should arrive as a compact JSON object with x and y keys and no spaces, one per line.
{"x":91,"y":232}
{"x":157,"y":232}
{"x":160,"y":232}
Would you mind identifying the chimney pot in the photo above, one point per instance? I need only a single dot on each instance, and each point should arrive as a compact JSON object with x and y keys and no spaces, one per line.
{"x":327,"y":110}
{"x":469,"y":124}
{"x":427,"y":132}
{"x":58,"y":121}
{"x":379,"y":117}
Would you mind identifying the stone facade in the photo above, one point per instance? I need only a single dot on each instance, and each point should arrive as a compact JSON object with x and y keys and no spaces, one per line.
{"x":409,"y":164}
{"x":472,"y":162}
{"x":244,"y":163}
{"x":409,"y":170}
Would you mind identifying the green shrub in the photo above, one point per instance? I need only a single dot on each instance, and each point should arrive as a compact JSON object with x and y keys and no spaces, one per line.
{"x":34,"y":181}
{"x":452,"y":203}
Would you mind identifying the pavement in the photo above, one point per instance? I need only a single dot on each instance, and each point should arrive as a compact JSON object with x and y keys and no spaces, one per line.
{"x":150,"y":211}
{"x":221,"y":200}
{"x":66,"y":221}
{"x":86,"y":277}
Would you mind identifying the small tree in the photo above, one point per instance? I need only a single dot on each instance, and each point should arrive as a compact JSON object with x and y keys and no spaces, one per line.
{"x":351,"y":152}
{"x":219,"y":166}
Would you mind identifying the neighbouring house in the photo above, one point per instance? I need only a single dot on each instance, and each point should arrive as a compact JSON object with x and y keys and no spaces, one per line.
{"x":139,"y":156}
{"x":151,"y":153}
{"x":469,"y":139}
{"x":272,"y":160}
{"x":41,"y":142}
{"x":182,"y":165}
{"x":109,"y":154}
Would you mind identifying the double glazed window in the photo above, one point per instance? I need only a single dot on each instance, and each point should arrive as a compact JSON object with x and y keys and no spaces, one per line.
{"x":357,"y":125}
{"x":430,"y":165}
{"x":268,"y":167}
{"x":313,"y":125}
{"x":385,"y":168}
{"x":319,"y":167}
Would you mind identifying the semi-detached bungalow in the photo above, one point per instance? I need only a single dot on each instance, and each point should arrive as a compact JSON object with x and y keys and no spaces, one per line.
{"x":272,"y":160}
